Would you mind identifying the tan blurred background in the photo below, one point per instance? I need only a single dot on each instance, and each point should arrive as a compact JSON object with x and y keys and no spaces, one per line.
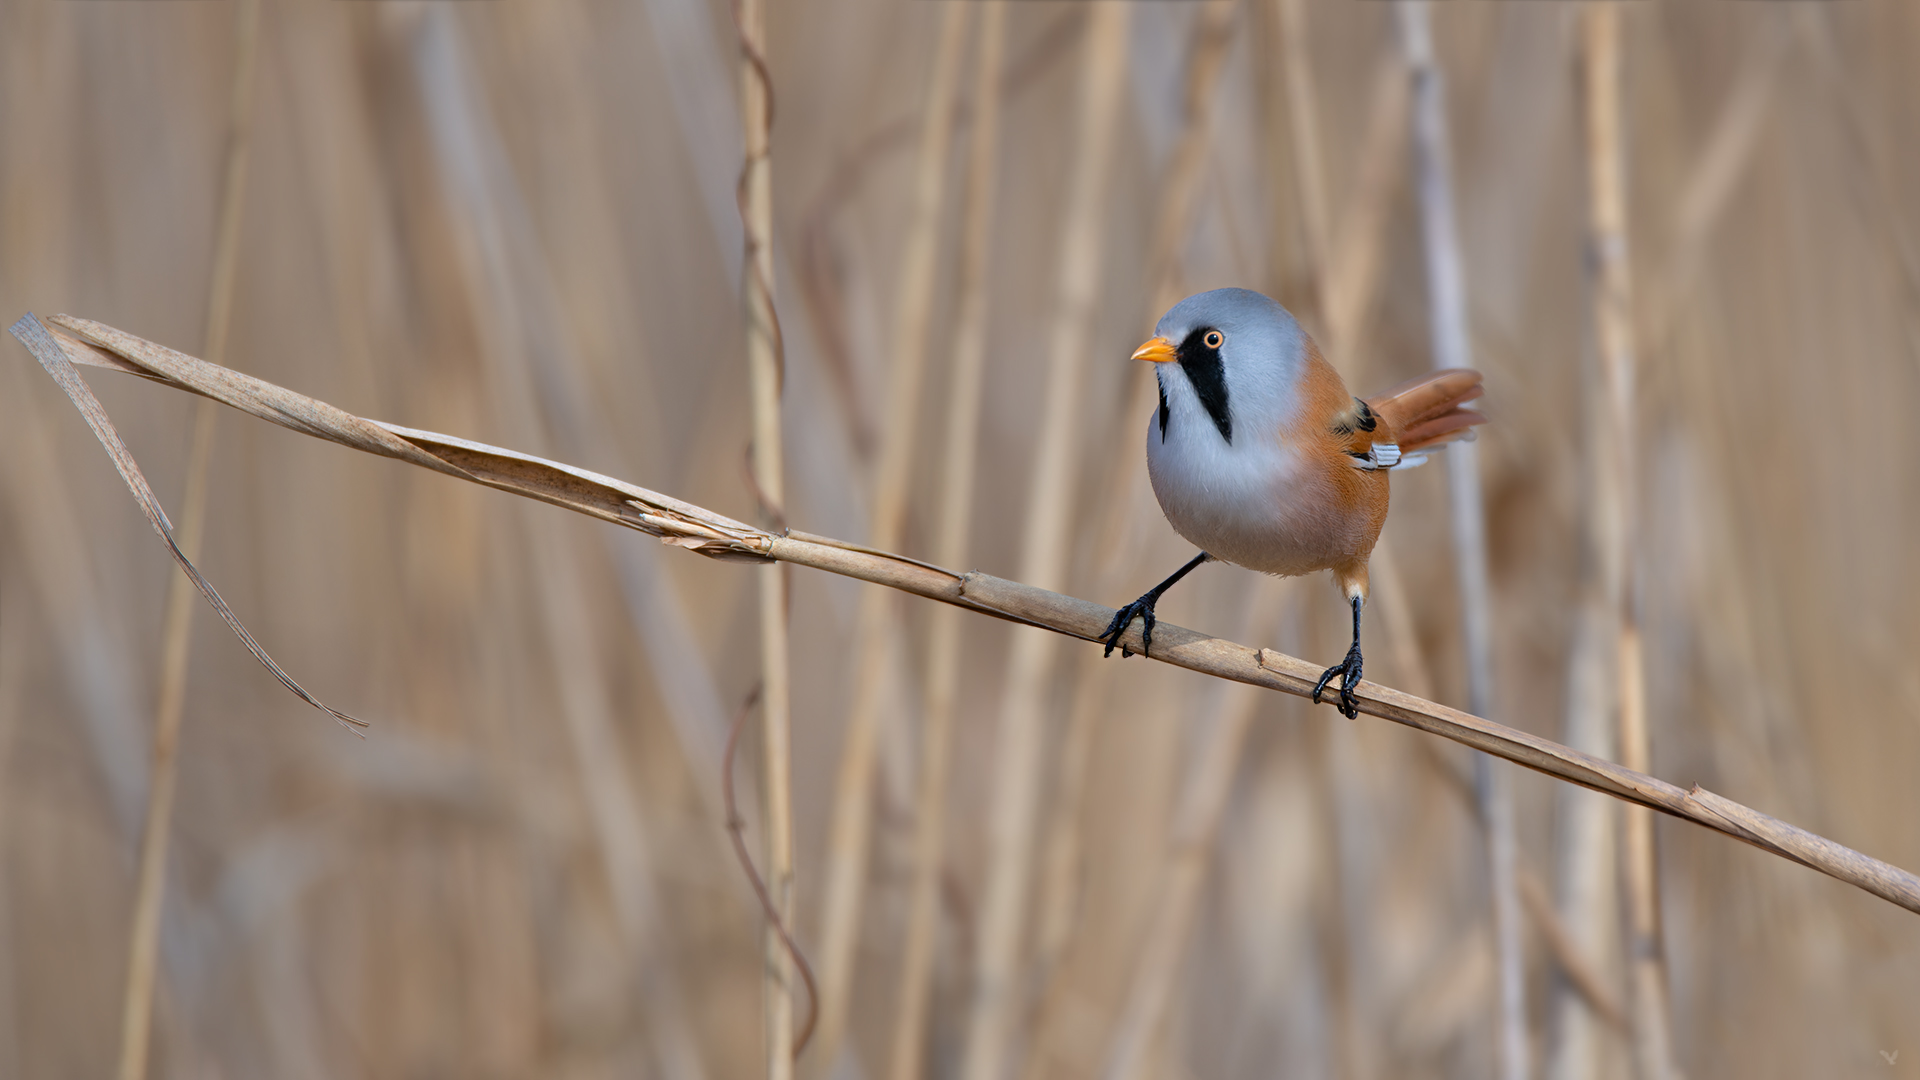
{"x":515,"y":222}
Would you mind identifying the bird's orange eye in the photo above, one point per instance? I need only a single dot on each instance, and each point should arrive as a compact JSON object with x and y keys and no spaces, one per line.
{"x":1214,"y":339}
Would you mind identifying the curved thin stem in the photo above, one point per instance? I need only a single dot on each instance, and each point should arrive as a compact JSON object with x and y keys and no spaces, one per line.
{"x":737,"y":829}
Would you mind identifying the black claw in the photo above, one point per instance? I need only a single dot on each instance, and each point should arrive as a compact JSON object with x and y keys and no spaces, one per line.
{"x":1143,"y":608}
{"x":1349,"y":672}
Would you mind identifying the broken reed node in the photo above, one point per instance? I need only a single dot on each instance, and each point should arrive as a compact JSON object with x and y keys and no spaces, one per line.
{"x":60,"y":342}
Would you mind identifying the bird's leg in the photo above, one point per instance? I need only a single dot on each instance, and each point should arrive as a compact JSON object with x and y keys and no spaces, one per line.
{"x":1348,"y":670}
{"x":1143,"y":607}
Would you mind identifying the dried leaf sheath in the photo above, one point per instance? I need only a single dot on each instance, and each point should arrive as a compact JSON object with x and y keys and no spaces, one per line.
{"x":45,"y":349}
{"x":576,"y":489}
{"x":719,"y":536}
{"x":586,"y":492}
{"x":99,"y":345}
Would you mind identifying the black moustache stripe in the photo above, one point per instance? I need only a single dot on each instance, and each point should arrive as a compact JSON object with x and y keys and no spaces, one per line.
{"x":1209,"y":378}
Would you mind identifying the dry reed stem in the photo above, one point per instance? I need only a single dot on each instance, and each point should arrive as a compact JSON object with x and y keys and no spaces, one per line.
{"x":703,"y":87}
{"x":1164,"y":942}
{"x":34,"y":335}
{"x":1586,"y":828}
{"x":1613,"y":325}
{"x":73,"y":599}
{"x":1580,"y":971}
{"x":1353,"y":273}
{"x":1303,"y":116}
{"x":528,"y":358}
{"x":1583,"y":974}
{"x":1867,"y":130}
{"x":1046,"y":535}
{"x":1210,"y":778}
{"x":527,"y":307}
{"x":765,"y":368}
{"x":950,"y":548}
{"x":818,"y":282}
{"x":13,"y":652}
{"x":143,"y":945}
{"x":737,"y":832}
{"x":877,"y":624}
{"x":1117,"y":539}
{"x":1346,"y":282}
{"x":1446,"y":285}
{"x":1716,"y":175}
{"x":1194,"y":833}
{"x":1396,"y":614}
{"x":64,"y":340}
{"x":1734,"y":542}
{"x":1187,"y":162}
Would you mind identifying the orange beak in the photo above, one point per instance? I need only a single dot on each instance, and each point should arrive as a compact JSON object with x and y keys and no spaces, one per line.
{"x":1159,"y":350}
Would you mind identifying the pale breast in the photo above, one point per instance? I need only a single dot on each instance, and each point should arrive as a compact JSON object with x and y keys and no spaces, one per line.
{"x":1263,"y":505}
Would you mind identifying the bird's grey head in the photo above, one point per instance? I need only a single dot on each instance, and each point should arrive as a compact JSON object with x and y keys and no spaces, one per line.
{"x":1232,"y":356}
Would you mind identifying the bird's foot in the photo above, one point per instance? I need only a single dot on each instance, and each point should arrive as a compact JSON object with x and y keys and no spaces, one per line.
{"x":1349,"y":672}
{"x":1143,"y":608}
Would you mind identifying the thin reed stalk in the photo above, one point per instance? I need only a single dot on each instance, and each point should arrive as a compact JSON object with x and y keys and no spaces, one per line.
{"x":765,"y":367}
{"x":13,"y":650}
{"x":1186,"y":164}
{"x":1224,"y":726}
{"x":176,"y":644}
{"x":1118,"y":540}
{"x":1613,"y":325}
{"x":1586,"y":827}
{"x":1586,"y":980}
{"x":1582,"y":974}
{"x":996,"y":1006}
{"x":1191,"y":842}
{"x":533,"y":368}
{"x":950,"y":548}
{"x":1725,"y":160}
{"x":61,"y":342}
{"x":1346,"y":280}
{"x":1452,"y":347}
{"x":1352,"y":274}
{"x":1303,"y":116}
{"x":1873,"y":174}
{"x":1396,"y":616}
{"x":1591,"y":871}
{"x":449,"y":897}
{"x":819,"y":284}
{"x":877,"y":624}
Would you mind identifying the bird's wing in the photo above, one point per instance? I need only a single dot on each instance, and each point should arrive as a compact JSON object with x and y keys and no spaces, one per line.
{"x":1367,"y":441}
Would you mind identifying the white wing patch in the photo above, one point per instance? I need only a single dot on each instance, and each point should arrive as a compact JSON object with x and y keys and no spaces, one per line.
{"x":1381,"y":455}
{"x":1385,"y":456}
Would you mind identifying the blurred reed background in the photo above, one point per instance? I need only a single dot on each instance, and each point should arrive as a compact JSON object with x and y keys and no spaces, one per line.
{"x":517,"y":222}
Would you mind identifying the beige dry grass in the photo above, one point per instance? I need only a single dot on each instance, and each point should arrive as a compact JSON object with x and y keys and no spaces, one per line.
{"x":1452,"y":347}
{"x":877,"y":626}
{"x":767,"y":474}
{"x":907,"y":1058}
{"x":79,"y":341}
{"x":143,"y":943}
{"x":1618,"y":460}
{"x":440,"y":898}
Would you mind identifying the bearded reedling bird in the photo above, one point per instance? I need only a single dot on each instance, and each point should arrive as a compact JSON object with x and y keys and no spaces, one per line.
{"x":1261,"y":459}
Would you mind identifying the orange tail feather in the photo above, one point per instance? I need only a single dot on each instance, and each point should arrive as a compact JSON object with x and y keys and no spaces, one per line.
{"x":1427,"y":411}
